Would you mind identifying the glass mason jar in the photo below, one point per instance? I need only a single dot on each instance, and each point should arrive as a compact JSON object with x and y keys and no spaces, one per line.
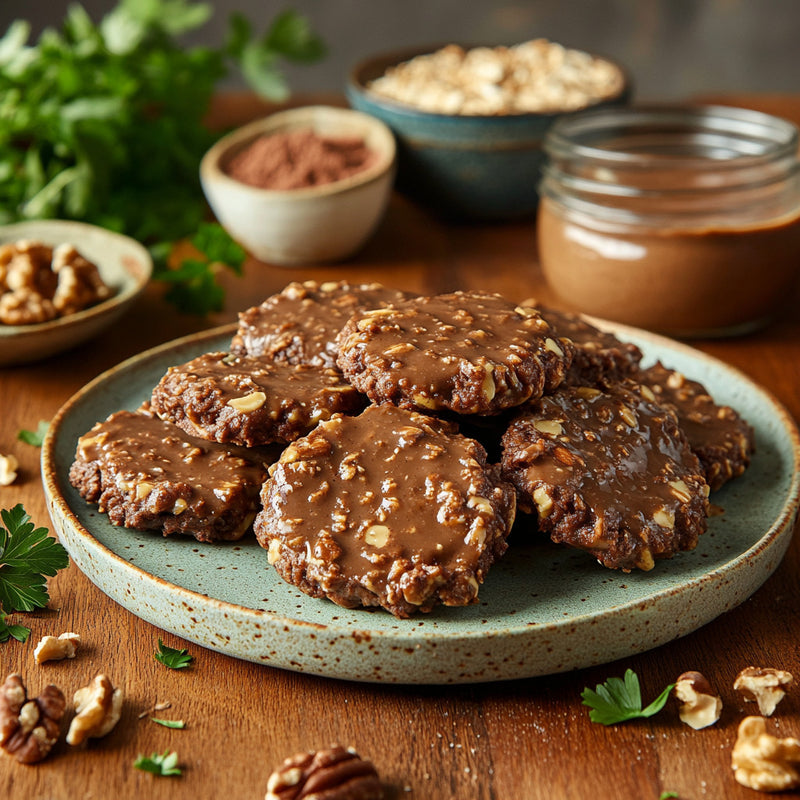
{"x":683,"y":220}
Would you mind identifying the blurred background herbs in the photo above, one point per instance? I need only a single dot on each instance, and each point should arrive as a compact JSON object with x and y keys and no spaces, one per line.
{"x":103,"y":121}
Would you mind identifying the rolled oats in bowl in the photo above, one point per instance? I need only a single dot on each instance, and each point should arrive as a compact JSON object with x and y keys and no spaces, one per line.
{"x":537,"y":76}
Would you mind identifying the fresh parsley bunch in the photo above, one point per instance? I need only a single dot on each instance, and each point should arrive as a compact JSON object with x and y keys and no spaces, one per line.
{"x":103,"y":122}
{"x":27,"y":556}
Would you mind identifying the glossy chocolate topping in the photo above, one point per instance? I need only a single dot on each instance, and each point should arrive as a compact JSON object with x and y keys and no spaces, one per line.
{"x":392,"y":501}
{"x":228,"y":398}
{"x":299,"y":324}
{"x":469,"y":352}
{"x":609,"y":472}
{"x":147,"y":473}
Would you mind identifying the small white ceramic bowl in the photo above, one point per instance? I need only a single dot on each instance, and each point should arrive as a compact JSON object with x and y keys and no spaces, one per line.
{"x":124,"y":264}
{"x":300,"y":226}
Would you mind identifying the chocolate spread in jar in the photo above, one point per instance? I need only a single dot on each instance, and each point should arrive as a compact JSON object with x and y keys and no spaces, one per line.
{"x":679,"y":281}
{"x":683,"y":219}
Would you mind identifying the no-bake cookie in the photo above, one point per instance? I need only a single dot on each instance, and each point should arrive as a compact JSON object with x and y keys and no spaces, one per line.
{"x":718,"y":435}
{"x":247,"y":401}
{"x":388,"y":508}
{"x":145,"y":473}
{"x":599,"y":355}
{"x":608,"y":472}
{"x":467,"y":352}
{"x":299,"y":324}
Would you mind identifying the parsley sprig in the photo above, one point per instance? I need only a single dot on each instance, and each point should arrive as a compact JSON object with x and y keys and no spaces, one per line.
{"x":10,"y":631}
{"x":172,"y":658}
{"x":27,"y":557}
{"x":105,"y":121}
{"x":620,"y":699}
{"x":34,"y":438}
{"x":163,"y":764}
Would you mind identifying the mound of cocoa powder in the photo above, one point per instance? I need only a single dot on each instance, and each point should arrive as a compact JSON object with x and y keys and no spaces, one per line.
{"x":296,"y":159}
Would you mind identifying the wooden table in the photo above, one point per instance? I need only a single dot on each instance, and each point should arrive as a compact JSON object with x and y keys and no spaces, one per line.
{"x":519,"y":740}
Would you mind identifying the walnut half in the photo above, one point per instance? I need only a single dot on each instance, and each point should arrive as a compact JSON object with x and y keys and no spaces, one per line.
{"x":336,"y":773}
{"x":29,"y":728}
{"x":763,"y":762}
{"x":99,"y":707}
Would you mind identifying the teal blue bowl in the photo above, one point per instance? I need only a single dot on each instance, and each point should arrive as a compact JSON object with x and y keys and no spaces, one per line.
{"x":459,"y":166}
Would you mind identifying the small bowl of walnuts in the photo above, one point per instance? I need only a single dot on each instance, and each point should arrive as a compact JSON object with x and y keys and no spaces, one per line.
{"x":61,"y":283}
{"x":470,"y":121}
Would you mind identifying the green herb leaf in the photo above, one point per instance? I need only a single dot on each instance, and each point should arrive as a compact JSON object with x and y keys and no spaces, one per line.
{"x":162,"y":764}
{"x":194,"y":288}
{"x":27,"y":555}
{"x":290,"y":35}
{"x":34,"y":438}
{"x":668,"y":795}
{"x":178,"y":724}
{"x":172,"y":658}
{"x":618,"y":700}
{"x":18,"y":632}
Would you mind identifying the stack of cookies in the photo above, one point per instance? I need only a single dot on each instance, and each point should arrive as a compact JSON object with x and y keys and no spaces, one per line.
{"x":380,"y":444}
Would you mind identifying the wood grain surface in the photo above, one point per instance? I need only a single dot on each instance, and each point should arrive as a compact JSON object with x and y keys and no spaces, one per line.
{"x":520,"y":740}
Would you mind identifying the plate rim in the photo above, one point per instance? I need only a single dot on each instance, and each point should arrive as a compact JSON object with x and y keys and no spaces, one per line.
{"x":408,"y":635}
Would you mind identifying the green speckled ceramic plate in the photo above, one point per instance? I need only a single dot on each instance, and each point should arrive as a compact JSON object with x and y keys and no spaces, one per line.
{"x":542,"y":609}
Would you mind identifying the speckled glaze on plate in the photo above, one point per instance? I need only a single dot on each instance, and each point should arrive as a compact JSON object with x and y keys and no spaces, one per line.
{"x":542,"y":609}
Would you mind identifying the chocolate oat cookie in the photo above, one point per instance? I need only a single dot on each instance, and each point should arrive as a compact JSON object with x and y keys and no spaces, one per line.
{"x":719,"y":437}
{"x":599,"y":355}
{"x":148,"y":474}
{"x":388,"y":508}
{"x":608,"y":472}
{"x":223,"y":397}
{"x":299,"y":324}
{"x":468,"y":352}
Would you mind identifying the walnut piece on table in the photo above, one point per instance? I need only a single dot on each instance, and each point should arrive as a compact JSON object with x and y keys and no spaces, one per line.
{"x":98,"y":707}
{"x":763,"y":685}
{"x":29,"y":727}
{"x":56,"y":648}
{"x":336,"y":773}
{"x":8,"y":470}
{"x":699,"y":705}
{"x":764,"y":762}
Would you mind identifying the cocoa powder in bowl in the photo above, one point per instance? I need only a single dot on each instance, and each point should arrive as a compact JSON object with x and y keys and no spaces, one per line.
{"x":298,"y":159}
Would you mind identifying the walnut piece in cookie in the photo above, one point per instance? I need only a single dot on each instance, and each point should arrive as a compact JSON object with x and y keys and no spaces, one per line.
{"x":248,"y":401}
{"x":762,"y":761}
{"x":29,"y":727}
{"x":763,"y":685}
{"x":336,"y":773}
{"x":719,"y":437}
{"x":52,"y":648}
{"x":699,"y":705}
{"x":388,"y":508}
{"x":466,"y":352}
{"x":98,"y":707}
{"x":607,"y":472}
{"x":299,"y":325}
{"x":148,"y":474}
